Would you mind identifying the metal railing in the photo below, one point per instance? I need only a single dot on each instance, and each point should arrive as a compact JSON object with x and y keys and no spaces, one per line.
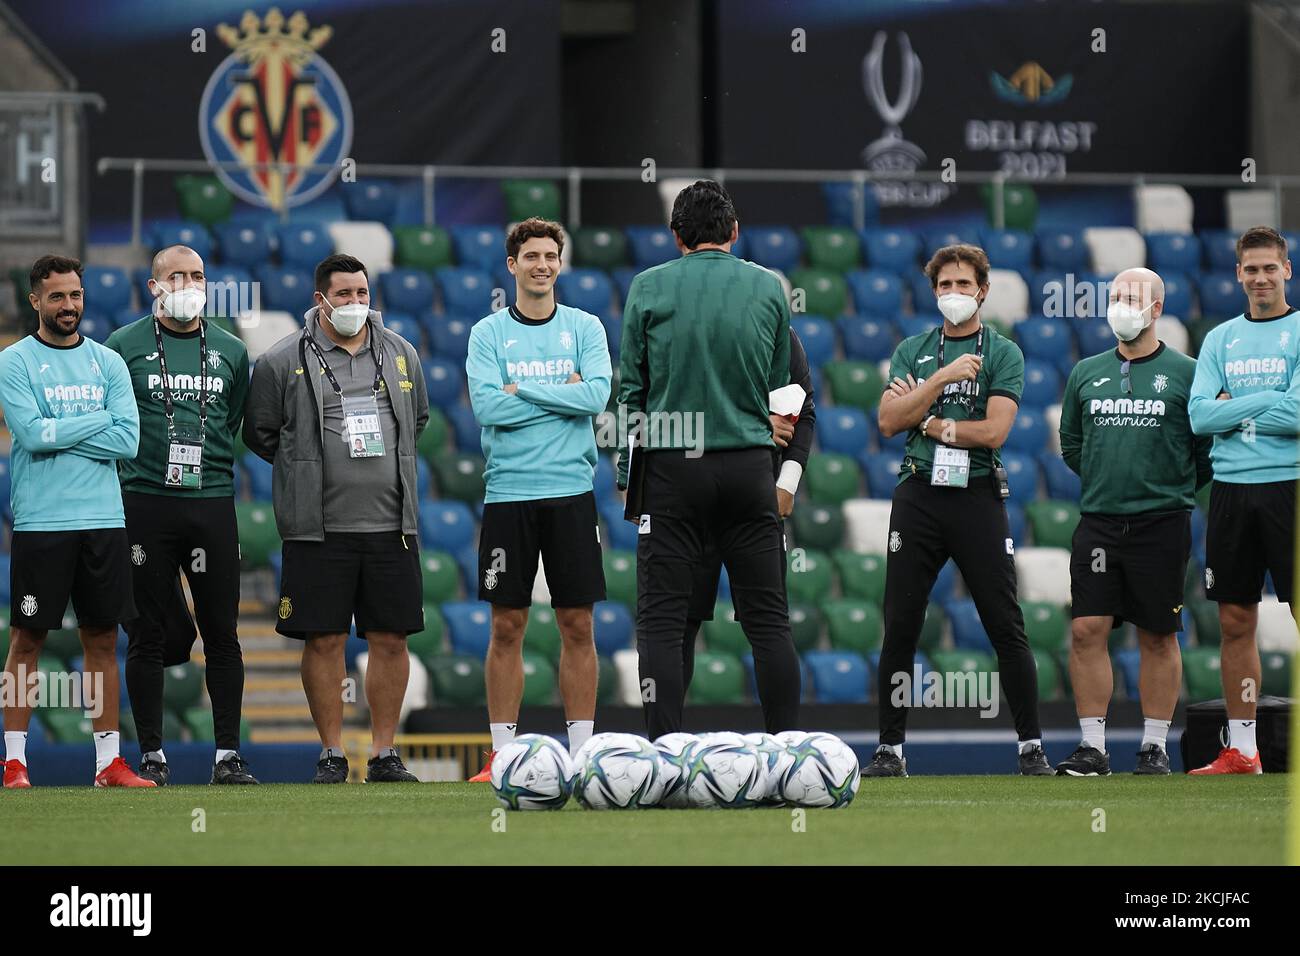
{"x":575,"y":176}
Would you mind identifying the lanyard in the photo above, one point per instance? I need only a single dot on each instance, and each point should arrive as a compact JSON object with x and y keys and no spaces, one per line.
{"x":376,"y":353}
{"x":166,"y":381}
{"x":979,"y":345}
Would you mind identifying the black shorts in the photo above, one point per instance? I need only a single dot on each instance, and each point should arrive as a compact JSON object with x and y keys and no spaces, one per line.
{"x":372,"y":577}
{"x":92,"y":567}
{"x":708,"y":573}
{"x":1131,"y":568}
{"x":1251,"y":531}
{"x":562,"y":530}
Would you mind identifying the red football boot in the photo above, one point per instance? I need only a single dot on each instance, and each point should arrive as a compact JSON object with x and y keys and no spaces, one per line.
{"x":1230,"y":760}
{"x":118,"y":774}
{"x":16,"y":776}
{"x":484,"y":775}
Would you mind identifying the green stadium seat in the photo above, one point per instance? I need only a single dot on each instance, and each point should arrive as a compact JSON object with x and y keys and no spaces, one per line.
{"x":858,"y":384}
{"x":422,"y":247}
{"x":1003,"y":327}
{"x":854,"y":625}
{"x":932,"y":629}
{"x":962,"y":662}
{"x":63,"y":643}
{"x":718,"y":679}
{"x":428,"y":644}
{"x":198,"y":721}
{"x":805,"y":626}
{"x":1046,"y":626}
{"x":173,"y":728}
{"x":596,"y":247}
{"x":1053,"y":522}
{"x":832,"y":479}
{"x":203,"y":199}
{"x":832,"y":247}
{"x":1205,"y":620}
{"x":457,"y":681}
{"x":1049,"y":676}
{"x":258,"y":537}
{"x":460,"y":477}
{"x":441,"y":576}
{"x":818,"y":526}
{"x":620,"y":577}
{"x":723,"y":634}
{"x":66,"y":725}
{"x":542,"y":633}
{"x":1276,"y":668}
{"x":824,"y":292}
{"x":1201,"y":673}
{"x":531,"y":197}
{"x":539,"y":681}
{"x":809,"y":576}
{"x":606,"y":681}
{"x":861,"y":575}
{"x":182,"y":686}
{"x":432,"y":443}
{"x":126,"y":726}
{"x":1019,"y":205}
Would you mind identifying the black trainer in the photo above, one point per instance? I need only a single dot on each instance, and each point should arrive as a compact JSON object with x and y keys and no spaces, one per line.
{"x":1152,"y":761}
{"x":886,"y":763}
{"x":388,"y":768}
{"x":1084,"y":762}
{"x":155,"y":770}
{"x":331,"y":770}
{"x":232,"y":770}
{"x":1033,"y":763}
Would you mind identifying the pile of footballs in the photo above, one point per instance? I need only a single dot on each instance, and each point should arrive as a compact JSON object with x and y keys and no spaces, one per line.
{"x":679,"y":771}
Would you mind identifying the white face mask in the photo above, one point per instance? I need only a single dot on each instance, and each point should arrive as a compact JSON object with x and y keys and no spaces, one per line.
{"x":348,"y":319}
{"x":1125,"y":321}
{"x":957,"y":308}
{"x":183,"y":305}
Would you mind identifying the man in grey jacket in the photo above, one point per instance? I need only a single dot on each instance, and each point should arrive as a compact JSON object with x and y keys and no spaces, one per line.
{"x":337,"y":409}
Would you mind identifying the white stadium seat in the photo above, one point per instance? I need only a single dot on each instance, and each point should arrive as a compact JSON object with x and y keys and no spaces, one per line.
{"x":261,"y":330}
{"x":1115,"y":248}
{"x":628,"y":665}
{"x":1054,"y":428}
{"x":1008,"y":298}
{"x":1171,"y":331}
{"x":1044,"y":574}
{"x":1276,"y":633}
{"x":668,"y":190}
{"x":371,"y":242}
{"x":867,"y":523}
{"x":417,"y":685}
{"x":1163,"y":209}
{"x":1249,"y":207}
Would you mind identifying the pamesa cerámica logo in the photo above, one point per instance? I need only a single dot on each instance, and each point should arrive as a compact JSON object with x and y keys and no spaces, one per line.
{"x":1031,"y":85}
{"x":275,"y":100}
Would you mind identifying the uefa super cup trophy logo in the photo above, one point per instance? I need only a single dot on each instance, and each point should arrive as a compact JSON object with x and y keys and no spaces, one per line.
{"x":892,"y":153}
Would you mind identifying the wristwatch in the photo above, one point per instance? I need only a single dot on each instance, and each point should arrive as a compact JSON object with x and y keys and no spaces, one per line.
{"x":926,"y":424}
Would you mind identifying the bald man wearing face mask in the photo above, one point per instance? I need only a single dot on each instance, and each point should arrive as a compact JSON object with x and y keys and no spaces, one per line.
{"x":1125,"y":429}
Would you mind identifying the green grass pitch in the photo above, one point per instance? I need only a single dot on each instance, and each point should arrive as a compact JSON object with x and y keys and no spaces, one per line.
{"x":922,"y":820}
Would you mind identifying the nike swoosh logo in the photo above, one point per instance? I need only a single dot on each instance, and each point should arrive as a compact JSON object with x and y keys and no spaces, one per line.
{"x":1232,"y":343}
{"x":1100,"y":382}
{"x":923,"y":359}
{"x":510,"y":342}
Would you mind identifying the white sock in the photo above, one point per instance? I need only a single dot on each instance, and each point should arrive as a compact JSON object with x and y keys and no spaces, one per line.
{"x":107,"y":748}
{"x":895,"y":749}
{"x":1030,"y":744}
{"x":1155,"y":732}
{"x":579,"y":733}
{"x":223,"y":754}
{"x":16,"y":746}
{"x":156,"y":755}
{"x":502,"y":734}
{"x":1241,"y":736}
{"x":1094,"y":732}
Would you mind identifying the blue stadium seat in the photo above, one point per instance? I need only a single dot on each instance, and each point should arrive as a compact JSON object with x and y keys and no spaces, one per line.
{"x":448,"y":335}
{"x":867,"y":339}
{"x":923,"y":298}
{"x":465,"y":291}
{"x":192,"y":234}
{"x":230,"y":291}
{"x":619,"y":534}
{"x":1062,"y":483}
{"x":244,"y":243}
{"x":466,"y":429}
{"x":407,"y":326}
{"x":1220,"y":247}
{"x":1221,"y":295}
{"x":140,"y":276}
{"x":373,"y":200}
{"x":423,"y":478}
{"x":777,"y":247}
{"x":586,"y":289}
{"x":445,"y":380}
{"x":1063,"y":249}
{"x":1022,"y":475}
{"x":968,"y":632}
{"x":919,"y":324}
{"x":4,"y":586}
{"x":842,"y":430}
{"x":447,"y":526}
{"x":1045,"y":286}
{"x":1128,"y":662}
{"x":303,"y":244}
{"x":107,"y":289}
{"x":1016,"y":522}
{"x":612,"y":624}
{"x":894,"y":446}
{"x":1029,"y":433}
{"x":840,"y":201}
{"x":469,"y":626}
{"x":1044,"y":339}
{"x":875,"y":291}
{"x":406,"y":290}
{"x":1008,"y":248}
{"x":604,"y":480}
{"x":838,"y":677}
{"x":934,"y":241}
{"x":1173,"y":251}
{"x":1178,"y":295}
{"x":945,"y":585}
{"x":479,"y":247}
{"x":1093,"y":335}
{"x":127,"y":316}
{"x":651,"y":245}
{"x":897,"y":250}
{"x":259,"y":472}
{"x":95,"y":327}
{"x":1042,"y":384}
{"x":817,"y":335}
{"x":623,"y":277}
{"x":613,"y":335}
{"x":285,"y":288}
{"x":881,"y":471}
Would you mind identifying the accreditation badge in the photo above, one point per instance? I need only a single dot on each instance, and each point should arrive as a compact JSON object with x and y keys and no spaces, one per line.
{"x":184,"y":459}
{"x":361,"y":427}
{"x":951,"y":468}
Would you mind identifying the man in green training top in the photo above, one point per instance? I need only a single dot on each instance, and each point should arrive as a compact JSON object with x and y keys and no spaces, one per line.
{"x":1125,"y":430}
{"x":190,"y":379}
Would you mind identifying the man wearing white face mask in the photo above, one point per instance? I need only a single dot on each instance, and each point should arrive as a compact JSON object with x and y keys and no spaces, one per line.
{"x":954,"y":390}
{"x":337,"y":409}
{"x":1125,"y":430}
{"x":190,"y":380}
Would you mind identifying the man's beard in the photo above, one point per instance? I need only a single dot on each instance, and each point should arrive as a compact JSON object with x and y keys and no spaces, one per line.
{"x":56,"y":325}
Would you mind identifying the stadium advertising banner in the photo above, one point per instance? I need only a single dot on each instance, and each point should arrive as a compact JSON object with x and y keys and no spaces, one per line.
{"x":1036,"y":90}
